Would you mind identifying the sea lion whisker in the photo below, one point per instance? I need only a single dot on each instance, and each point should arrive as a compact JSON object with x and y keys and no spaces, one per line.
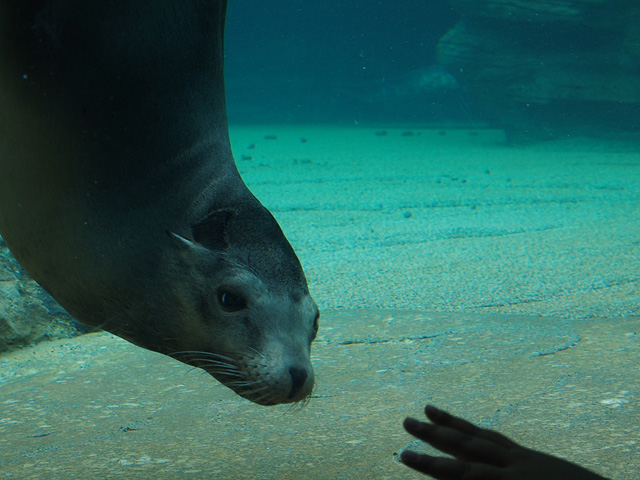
{"x":296,"y":406}
{"x":257,"y":351}
{"x":212,"y":365}
{"x":262,"y":399}
{"x":215,"y":365}
{"x":201,"y":352}
{"x":210,"y":361}
{"x":207,"y":354}
{"x":194,"y":358}
{"x":185,"y":358}
{"x":265,"y":399}
{"x":225,"y":374}
{"x":223,"y":371}
{"x":247,"y":382}
{"x":248,"y":386}
{"x":193,"y":368}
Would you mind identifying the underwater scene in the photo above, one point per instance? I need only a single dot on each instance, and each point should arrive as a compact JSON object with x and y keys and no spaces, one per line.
{"x":320,"y":240}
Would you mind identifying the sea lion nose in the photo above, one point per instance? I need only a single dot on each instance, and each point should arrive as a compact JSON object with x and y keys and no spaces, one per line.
{"x":298,"y":377}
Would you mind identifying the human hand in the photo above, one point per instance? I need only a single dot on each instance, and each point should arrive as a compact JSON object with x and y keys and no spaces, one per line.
{"x":481,"y":454}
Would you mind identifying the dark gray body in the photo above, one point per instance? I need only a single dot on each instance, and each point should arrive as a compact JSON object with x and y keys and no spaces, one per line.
{"x":120,"y":196}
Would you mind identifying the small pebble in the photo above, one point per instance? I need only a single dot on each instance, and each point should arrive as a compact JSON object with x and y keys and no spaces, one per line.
{"x":302,"y":161}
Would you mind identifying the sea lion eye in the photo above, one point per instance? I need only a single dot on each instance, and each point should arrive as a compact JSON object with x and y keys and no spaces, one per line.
{"x":231,"y":302}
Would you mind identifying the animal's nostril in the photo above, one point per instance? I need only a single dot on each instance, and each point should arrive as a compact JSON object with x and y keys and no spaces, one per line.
{"x":298,"y":377}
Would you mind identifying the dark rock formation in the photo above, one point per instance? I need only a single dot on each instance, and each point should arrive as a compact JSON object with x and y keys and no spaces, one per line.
{"x":28,"y":314}
{"x":549,"y":67}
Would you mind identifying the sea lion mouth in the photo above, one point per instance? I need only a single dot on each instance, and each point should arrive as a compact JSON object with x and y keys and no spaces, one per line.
{"x":252,"y":377}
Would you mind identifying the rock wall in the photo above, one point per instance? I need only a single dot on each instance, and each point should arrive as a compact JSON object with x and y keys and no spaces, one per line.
{"x":28,"y":314}
{"x":545,"y":68}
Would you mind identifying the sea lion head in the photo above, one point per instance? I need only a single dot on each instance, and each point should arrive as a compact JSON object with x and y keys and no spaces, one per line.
{"x":248,"y":318}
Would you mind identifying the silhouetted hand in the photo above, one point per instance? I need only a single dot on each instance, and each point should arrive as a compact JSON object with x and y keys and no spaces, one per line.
{"x":481,"y":454}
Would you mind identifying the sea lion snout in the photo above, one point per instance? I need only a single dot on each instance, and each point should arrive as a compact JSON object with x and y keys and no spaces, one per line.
{"x":282,"y":371}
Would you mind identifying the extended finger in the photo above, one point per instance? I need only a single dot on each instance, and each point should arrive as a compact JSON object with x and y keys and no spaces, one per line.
{"x":449,"y":469}
{"x":440,"y":417}
{"x":465,"y":446}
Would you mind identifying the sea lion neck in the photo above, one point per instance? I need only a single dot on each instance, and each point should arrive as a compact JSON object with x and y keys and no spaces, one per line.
{"x":145,"y":100}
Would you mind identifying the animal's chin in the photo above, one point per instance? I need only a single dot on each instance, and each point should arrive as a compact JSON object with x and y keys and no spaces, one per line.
{"x":257,"y":390}
{"x":265,"y":402}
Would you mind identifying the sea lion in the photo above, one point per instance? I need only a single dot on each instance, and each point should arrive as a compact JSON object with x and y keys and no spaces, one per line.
{"x":120,"y":196}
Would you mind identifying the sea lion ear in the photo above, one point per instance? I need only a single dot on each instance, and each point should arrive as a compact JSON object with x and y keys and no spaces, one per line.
{"x":212,"y":231}
{"x":180,"y":241}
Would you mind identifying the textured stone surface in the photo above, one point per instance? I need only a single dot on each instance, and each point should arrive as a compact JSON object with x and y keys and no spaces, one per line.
{"x":545,"y":68}
{"x":28,"y":314}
